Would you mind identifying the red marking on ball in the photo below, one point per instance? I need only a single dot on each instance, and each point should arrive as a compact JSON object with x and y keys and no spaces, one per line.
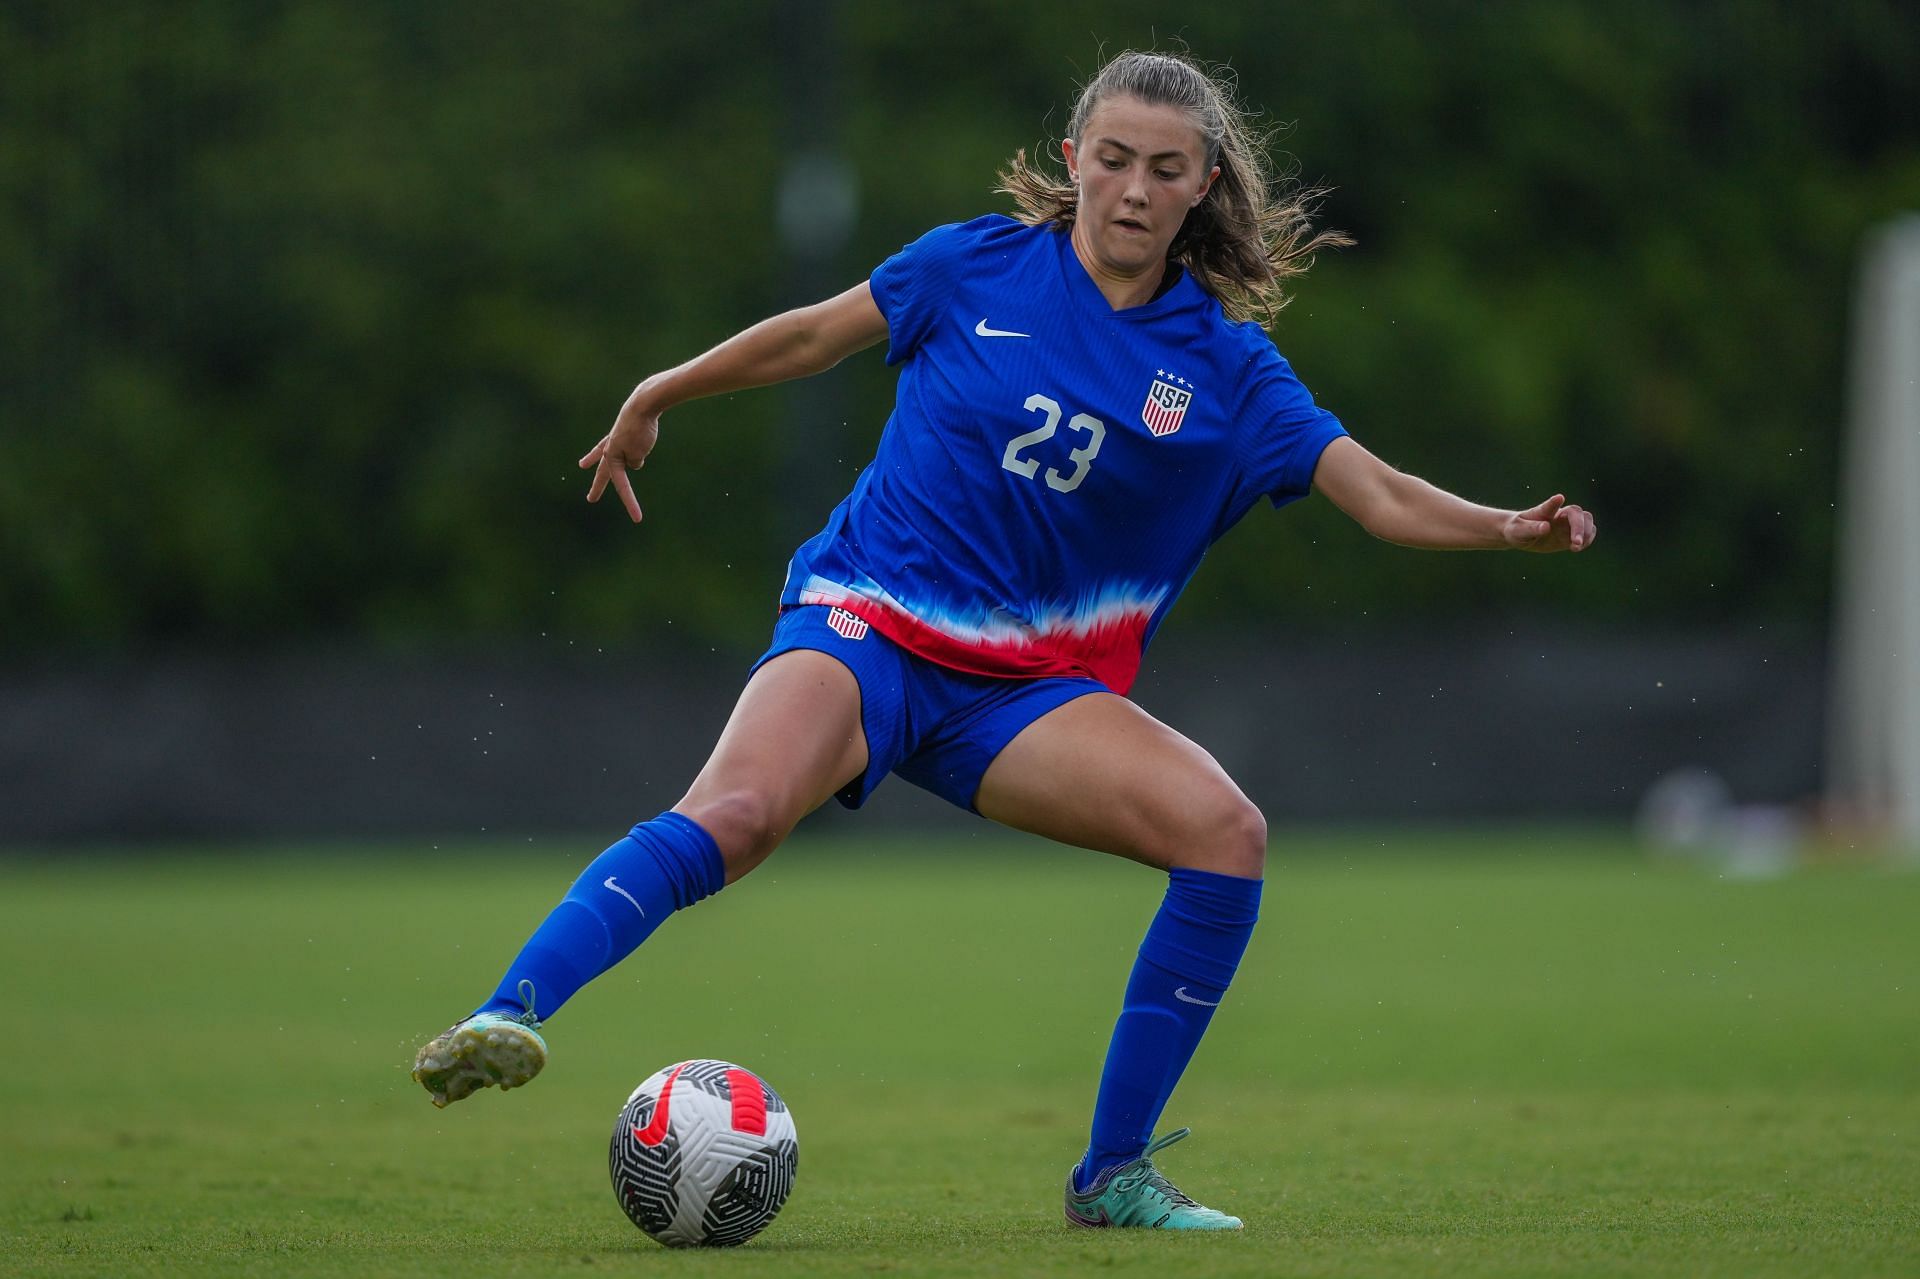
{"x":749,"y":1102}
{"x":656,"y":1130}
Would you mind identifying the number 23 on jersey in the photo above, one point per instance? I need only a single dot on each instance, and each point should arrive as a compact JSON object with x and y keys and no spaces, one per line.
{"x":1082,"y":458}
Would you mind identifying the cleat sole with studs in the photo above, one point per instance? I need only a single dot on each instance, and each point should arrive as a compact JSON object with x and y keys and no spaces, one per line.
{"x":492,"y":1054}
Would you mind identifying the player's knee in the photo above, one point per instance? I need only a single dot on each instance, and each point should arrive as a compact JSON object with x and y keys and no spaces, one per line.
{"x":1228,"y":835}
{"x":746,"y":824}
{"x":1243,"y":840}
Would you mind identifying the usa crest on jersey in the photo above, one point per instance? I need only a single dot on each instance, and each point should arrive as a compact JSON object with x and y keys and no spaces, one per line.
{"x":1166,"y":404}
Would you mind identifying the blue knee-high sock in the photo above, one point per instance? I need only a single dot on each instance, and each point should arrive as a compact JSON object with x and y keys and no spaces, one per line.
{"x":629,"y":890}
{"x":1185,"y":965}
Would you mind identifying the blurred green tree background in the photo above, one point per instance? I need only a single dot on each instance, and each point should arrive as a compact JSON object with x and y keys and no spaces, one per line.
{"x":310,"y":307}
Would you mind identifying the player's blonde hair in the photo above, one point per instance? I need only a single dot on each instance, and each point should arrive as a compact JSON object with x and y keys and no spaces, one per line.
{"x":1254,"y":230}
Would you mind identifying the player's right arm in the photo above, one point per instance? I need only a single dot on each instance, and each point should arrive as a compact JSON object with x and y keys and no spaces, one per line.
{"x":791,"y":345}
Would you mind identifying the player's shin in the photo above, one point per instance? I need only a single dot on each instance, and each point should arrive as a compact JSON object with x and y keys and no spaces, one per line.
{"x":1185,"y":965}
{"x":661,"y":866}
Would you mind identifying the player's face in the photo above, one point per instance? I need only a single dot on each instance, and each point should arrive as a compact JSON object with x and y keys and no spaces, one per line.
{"x":1140,"y":167}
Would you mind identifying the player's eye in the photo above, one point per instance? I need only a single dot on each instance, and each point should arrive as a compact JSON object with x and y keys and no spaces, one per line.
{"x":1166,"y":175}
{"x":1112,"y":163}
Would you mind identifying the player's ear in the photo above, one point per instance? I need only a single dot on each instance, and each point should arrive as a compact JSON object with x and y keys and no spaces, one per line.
{"x":1071,"y":155}
{"x":1205,"y":187}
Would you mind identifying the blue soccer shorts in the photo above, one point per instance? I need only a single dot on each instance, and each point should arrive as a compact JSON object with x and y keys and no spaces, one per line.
{"x":938,"y":728}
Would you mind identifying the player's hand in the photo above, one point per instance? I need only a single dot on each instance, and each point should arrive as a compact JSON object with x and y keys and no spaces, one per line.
{"x":623,"y":449}
{"x":1551,"y":526}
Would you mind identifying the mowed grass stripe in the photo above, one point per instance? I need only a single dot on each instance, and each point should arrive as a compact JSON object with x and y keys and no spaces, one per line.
{"x":1446,"y":1054}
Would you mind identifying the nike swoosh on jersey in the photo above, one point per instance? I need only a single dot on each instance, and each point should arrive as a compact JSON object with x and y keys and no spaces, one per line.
{"x":1180,"y":993}
{"x":656,"y":1130}
{"x":983,"y":331}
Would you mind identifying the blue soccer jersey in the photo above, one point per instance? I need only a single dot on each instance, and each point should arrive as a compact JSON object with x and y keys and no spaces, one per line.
{"x":1053,"y":470}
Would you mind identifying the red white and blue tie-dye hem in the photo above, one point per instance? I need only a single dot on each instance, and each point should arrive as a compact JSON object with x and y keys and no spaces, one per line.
{"x":1099,"y":636}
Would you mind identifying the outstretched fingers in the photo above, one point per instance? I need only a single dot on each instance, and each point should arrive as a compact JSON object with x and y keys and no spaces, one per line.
{"x":1580,"y":527}
{"x":608,"y":469}
{"x":625,"y":488}
{"x":596,"y":460}
{"x":1546,"y":510}
{"x":1553,"y":525}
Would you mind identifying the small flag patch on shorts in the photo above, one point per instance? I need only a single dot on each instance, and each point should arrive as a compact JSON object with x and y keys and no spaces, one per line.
{"x":847,"y":624}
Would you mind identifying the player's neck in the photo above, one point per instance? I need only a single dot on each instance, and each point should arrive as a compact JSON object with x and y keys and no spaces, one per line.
{"x":1121,"y":290}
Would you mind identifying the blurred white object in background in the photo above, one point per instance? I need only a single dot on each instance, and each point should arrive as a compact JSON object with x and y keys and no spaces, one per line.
{"x":1873,"y":735}
{"x":1762,"y":841}
{"x":1685,"y":813}
{"x":1690,"y":813}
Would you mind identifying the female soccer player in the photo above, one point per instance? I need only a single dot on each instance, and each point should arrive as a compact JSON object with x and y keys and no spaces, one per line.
{"x":1085,"y":404}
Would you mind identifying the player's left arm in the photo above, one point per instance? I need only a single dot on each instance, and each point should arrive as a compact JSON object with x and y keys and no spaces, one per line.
{"x":1408,"y":511}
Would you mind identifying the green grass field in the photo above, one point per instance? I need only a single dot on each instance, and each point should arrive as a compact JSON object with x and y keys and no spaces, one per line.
{"x":1500,"y":1055}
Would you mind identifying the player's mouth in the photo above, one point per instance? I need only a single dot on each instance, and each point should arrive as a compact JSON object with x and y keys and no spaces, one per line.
{"x":1131,"y":225}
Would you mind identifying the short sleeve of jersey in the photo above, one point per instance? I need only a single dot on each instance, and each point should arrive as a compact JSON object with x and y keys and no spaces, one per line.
{"x":913,"y":286}
{"x":1282,"y":431}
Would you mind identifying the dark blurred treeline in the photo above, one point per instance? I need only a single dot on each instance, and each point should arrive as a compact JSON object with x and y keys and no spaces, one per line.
{"x":310,"y":307}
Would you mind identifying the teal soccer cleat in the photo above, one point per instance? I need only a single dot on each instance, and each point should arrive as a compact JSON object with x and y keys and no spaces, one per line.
{"x":1135,"y":1194}
{"x":486,"y":1050}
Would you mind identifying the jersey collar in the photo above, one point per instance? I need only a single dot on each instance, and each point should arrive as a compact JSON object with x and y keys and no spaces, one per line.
{"x":1087,"y":295}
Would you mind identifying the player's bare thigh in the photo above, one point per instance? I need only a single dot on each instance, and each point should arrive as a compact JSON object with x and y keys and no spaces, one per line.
{"x":1101,"y":773}
{"x":793,"y":740}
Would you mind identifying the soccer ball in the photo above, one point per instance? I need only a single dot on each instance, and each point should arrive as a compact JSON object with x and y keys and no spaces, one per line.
{"x":703,"y":1155}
